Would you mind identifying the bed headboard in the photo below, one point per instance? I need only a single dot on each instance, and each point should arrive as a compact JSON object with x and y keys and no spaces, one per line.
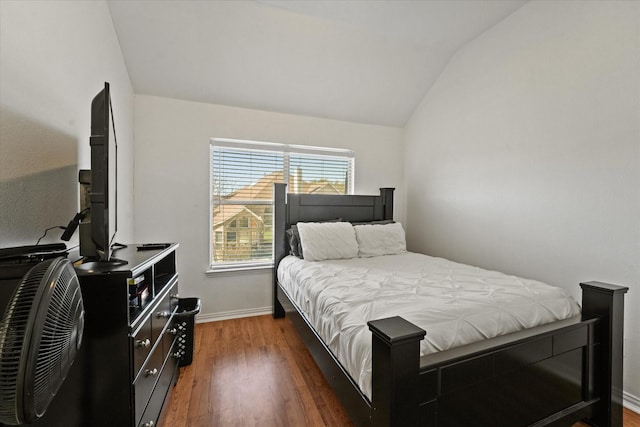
{"x":293,"y":208}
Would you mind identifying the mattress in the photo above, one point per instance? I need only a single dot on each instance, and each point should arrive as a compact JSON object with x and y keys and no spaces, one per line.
{"x":455,"y":303}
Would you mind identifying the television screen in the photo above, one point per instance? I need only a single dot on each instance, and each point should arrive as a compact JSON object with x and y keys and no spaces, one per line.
{"x":103,"y":187}
{"x":98,"y":216}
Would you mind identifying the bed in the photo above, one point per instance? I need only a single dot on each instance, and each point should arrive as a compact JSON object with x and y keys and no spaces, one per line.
{"x":553,"y":372}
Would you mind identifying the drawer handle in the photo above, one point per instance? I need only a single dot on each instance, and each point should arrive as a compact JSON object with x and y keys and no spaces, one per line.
{"x":144,"y":343}
{"x":149,"y":424}
{"x":163,"y":314}
{"x":151,"y":372}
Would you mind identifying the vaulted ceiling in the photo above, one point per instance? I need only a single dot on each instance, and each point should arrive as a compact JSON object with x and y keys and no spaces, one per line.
{"x":366,"y":61}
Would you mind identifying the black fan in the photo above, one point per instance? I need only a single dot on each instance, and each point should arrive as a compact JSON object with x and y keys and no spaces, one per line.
{"x":40,"y":334}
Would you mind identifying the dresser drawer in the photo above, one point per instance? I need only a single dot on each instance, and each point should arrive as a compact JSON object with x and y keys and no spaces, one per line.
{"x":170,"y":335}
{"x":164,"y":310}
{"x":142,"y":343}
{"x":152,"y":411}
{"x":146,"y":380}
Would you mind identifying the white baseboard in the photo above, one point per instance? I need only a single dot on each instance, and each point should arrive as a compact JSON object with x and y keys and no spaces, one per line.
{"x":234,"y":314}
{"x":631,"y":402}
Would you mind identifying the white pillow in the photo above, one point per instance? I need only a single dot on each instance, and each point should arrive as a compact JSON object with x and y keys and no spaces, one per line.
{"x":327,"y":240}
{"x":380,"y":239}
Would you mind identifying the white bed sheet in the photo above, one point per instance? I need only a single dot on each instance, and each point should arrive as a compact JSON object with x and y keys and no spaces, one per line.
{"x":455,"y":303}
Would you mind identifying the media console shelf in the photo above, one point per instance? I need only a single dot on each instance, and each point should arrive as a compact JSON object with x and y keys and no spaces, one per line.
{"x":129,"y":357}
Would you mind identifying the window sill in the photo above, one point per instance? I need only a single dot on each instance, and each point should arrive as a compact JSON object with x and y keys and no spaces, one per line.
{"x":214,"y":270}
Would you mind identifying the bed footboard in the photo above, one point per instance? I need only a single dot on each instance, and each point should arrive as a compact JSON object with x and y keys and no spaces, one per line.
{"x":555,"y":374}
{"x":606,"y":302}
{"x":396,"y":362}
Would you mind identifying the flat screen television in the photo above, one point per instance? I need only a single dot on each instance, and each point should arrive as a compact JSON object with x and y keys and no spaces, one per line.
{"x":98,"y":217}
{"x":101,"y":205}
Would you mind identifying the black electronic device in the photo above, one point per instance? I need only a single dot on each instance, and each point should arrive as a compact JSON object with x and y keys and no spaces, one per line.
{"x":101,"y":200}
{"x":32,"y":253}
{"x":71,"y":227}
{"x":98,"y":219}
{"x":153,"y":246}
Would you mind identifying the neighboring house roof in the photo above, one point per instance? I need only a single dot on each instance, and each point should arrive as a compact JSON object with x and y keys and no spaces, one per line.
{"x":322,"y":187}
{"x":263,"y":190}
{"x":226,"y":213}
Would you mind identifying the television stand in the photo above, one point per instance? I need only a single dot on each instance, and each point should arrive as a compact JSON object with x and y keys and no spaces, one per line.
{"x":100,"y":266}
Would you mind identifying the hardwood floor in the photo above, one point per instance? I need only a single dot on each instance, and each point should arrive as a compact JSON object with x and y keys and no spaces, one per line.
{"x":256,"y":372}
{"x":252,"y":372}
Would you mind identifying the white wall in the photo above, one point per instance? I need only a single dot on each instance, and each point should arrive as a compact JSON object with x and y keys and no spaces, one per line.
{"x":172,"y":183}
{"x":54,"y":58}
{"x":525,"y":155}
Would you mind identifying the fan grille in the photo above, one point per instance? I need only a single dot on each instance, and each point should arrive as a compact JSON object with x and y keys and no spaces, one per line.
{"x":12,"y":337}
{"x":39,"y":336}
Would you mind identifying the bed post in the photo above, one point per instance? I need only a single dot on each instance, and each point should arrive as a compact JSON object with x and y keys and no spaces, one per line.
{"x":279,"y":241}
{"x":395,"y":362}
{"x":607,"y":302}
{"x":386,"y":194}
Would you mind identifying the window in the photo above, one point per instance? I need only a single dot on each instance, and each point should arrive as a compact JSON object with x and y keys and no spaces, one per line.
{"x":242,"y":178}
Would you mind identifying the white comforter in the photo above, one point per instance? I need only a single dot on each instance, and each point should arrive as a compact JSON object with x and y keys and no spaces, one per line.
{"x":456,"y":304}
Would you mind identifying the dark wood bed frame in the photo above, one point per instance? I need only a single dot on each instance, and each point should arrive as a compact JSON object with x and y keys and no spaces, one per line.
{"x":555,"y":374}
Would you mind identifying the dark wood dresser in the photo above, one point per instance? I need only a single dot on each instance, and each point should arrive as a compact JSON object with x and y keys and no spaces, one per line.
{"x":130,"y":352}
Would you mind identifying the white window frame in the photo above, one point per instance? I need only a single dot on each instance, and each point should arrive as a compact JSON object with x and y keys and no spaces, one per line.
{"x":286,"y":150}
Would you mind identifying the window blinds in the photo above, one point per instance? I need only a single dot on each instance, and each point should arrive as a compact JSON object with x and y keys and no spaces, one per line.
{"x":242,"y":178}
